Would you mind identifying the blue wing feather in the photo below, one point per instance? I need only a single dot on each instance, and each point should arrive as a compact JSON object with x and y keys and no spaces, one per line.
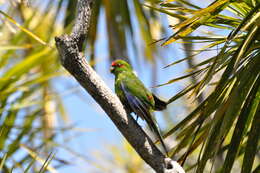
{"x":135,"y":104}
{"x":141,"y":109}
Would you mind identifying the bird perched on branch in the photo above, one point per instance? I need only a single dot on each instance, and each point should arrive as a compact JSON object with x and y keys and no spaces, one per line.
{"x":135,"y":96}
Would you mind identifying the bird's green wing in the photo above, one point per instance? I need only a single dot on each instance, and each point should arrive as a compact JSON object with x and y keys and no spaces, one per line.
{"x":133,"y":85}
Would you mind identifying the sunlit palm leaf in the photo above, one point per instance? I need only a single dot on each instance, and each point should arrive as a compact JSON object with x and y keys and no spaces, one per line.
{"x":229,"y":107}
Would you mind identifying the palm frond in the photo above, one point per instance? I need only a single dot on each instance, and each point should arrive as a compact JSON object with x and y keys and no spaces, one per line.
{"x":225,"y":116}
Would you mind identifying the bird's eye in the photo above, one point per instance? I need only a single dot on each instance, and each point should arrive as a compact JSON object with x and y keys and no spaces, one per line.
{"x":114,"y":64}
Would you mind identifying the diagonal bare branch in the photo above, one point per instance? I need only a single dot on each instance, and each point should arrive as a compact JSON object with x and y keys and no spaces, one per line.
{"x":72,"y":59}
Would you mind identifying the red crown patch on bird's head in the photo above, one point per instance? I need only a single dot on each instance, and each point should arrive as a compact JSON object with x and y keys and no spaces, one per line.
{"x":119,"y":66}
{"x":113,"y":64}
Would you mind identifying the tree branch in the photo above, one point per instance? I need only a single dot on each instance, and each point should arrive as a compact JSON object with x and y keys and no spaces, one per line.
{"x":69,"y":48}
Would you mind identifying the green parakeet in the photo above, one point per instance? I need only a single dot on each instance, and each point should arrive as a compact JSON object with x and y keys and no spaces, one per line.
{"x":135,"y":96}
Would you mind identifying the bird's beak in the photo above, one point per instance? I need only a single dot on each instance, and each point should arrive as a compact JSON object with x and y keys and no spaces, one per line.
{"x":112,"y":69}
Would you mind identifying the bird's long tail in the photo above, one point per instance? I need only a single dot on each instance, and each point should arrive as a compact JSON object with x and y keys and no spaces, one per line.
{"x":156,"y":130}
